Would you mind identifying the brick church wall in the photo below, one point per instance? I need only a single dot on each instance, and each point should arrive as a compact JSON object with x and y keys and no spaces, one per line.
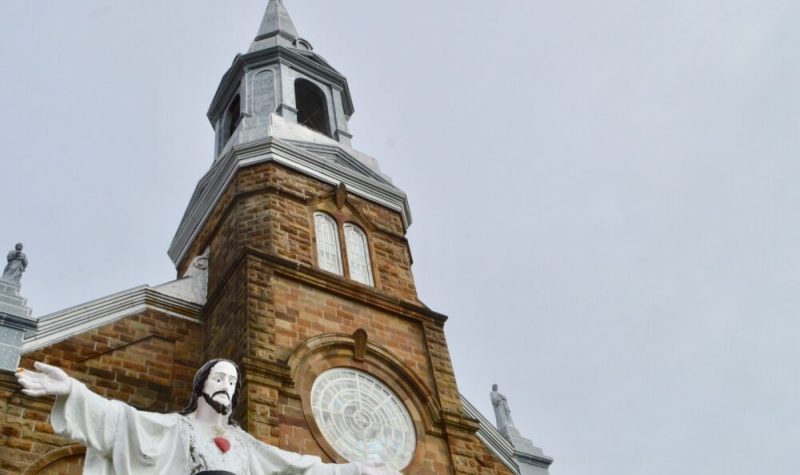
{"x":147,"y":360}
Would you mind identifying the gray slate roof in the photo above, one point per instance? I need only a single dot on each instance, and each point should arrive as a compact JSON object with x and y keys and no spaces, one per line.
{"x":276,"y":21}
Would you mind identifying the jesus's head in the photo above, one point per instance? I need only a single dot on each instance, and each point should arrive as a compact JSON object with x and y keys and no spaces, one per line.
{"x":217,"y":384}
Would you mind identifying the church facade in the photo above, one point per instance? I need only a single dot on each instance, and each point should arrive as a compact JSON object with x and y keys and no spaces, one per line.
{"x":294,"y":264}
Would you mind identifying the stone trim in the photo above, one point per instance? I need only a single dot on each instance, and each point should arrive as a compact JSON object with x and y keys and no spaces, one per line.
{"x":339,"y":286}
{"x":327,"y":351}
{"x":54,"y":456}
{"x":66,"y":323}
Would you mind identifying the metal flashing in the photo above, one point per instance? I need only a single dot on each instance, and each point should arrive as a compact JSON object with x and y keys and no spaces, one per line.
{"x":491,"y":438}
{"x":213,"y":185}
{"x":336,"y":152}
{"x":59,"y":326}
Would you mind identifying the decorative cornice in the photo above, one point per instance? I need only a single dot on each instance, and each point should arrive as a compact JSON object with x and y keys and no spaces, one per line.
{"x":340,"y":154}
{"x":349,"y":289}
{"x":334,"y":284}
{"x":212,"y":186}
{"x":16,"y":322}
{"x":66,"y":323}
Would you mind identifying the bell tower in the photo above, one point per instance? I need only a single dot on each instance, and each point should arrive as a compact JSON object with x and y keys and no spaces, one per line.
{"x":280,"y":74}
{"x":310,"y":288}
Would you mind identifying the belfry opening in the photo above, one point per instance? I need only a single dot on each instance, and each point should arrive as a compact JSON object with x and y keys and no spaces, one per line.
{"x":234,"y":117}
{"x":312,"y":110}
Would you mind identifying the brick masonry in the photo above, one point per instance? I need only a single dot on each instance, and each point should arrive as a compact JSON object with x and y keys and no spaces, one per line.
{"x":146,"y":360}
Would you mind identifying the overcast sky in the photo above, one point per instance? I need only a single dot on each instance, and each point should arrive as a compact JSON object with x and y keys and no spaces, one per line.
{"x":604,"y":194}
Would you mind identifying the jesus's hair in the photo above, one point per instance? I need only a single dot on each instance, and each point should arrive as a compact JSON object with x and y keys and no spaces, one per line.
{"x":199,"y":382}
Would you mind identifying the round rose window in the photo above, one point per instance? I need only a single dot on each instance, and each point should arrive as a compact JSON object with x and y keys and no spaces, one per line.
{"x":362,"y":419}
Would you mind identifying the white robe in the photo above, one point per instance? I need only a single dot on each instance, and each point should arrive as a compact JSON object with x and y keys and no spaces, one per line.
{"x":124,"y":441}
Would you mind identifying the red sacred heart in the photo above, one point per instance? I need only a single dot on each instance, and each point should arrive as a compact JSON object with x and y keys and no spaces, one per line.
{"x":223,"y":444}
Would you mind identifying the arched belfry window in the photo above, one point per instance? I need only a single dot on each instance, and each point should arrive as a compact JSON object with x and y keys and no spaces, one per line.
{"x":312,"y":108}
{"x":233,"y":117}
{"x":357,"y":254}
{"x":329,"y":256}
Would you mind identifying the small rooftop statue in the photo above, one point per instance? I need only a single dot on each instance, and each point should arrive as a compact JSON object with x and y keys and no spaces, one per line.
{"x":17,"y":263}
{"x":502,"y":413}
{"x":530,"y":458}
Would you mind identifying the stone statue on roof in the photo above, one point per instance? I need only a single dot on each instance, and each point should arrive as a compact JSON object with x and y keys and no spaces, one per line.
{"x":17,"y":263}
{"x":200,"y":440}
{"x":502,"y":412}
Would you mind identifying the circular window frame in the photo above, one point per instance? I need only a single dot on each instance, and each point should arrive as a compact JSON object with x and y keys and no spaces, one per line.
{"x":330,"y":351}
{"x":394,"y":407}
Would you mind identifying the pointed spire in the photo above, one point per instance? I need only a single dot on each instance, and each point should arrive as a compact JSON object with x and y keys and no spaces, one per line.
{"x":276,"y":22}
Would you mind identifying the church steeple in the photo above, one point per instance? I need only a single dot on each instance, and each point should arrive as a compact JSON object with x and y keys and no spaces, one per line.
{"x":282,"y":102}
{"x":276,"y":22}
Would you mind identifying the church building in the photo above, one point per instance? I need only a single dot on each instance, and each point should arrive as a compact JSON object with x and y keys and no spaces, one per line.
{"x":293,"y":262}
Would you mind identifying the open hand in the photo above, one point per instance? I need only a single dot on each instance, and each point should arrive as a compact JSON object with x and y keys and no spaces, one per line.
{"x":51,"y":381}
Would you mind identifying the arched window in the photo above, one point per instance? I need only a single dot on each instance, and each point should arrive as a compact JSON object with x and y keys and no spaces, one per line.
{"x":312,"y":109}
{"x":229,"y":123}
{"x":329,"y":257}
{"x":234,"y":116}
{"x":358,"y":254}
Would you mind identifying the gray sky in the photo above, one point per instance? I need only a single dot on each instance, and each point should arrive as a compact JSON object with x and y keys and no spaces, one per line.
{"x":605,"y":193}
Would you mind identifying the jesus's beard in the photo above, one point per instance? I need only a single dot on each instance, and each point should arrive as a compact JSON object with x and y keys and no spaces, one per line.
{"x":221,"y":408}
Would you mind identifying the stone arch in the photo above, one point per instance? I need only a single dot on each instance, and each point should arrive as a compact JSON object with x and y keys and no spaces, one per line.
{"x":336,"y":204}
{"x":62,"y":461}
{"x":312,"y":106}
{"x":323,"y":352}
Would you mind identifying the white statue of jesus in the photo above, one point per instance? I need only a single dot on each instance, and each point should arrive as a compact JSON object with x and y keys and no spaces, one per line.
{"x":200,"y":440}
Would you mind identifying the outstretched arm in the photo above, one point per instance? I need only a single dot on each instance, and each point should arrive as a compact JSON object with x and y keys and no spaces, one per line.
{"x":78,"y":414}
{"x":265,"y":458}
{"x":134,"y":441}
{"x":48,"y":381}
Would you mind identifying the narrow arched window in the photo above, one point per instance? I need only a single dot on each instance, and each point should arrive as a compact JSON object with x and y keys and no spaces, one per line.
{"x":234,"y":116}
{"x":312,"y":109}
{"x":329,"y":257}
{"x":358,"y":254}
